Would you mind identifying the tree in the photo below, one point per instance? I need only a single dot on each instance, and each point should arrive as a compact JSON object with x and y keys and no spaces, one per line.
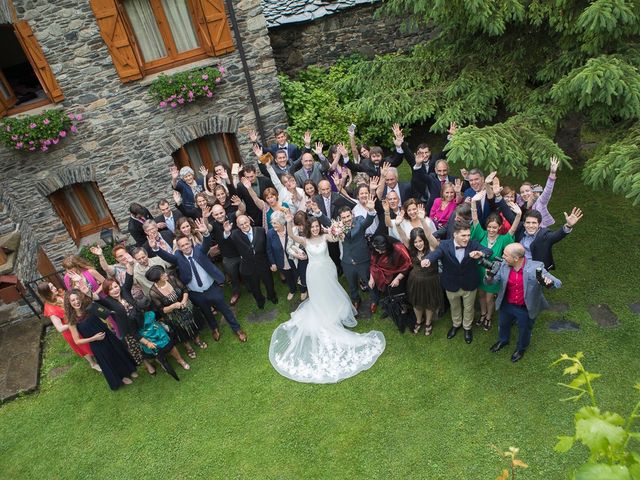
{"x":524,"y":76}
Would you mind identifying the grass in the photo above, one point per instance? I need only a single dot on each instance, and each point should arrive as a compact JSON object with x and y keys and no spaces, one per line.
{"x":429,"y":408}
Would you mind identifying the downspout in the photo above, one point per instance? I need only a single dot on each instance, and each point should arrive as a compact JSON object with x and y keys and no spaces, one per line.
{"x":245,"y":67}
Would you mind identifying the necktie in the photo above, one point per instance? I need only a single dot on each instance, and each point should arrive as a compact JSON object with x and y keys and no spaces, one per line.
{"x":460,"y":248}
{"x":250,"y":236}
{"x":308,"y":173}
{"x":195,"y":272}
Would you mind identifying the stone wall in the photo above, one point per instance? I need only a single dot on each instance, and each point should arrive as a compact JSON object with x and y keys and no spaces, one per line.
{"x":350,"y":31}
{"x":125,"y":141}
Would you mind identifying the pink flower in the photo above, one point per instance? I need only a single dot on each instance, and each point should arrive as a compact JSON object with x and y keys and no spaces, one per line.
{"x":209,"y":94}
{"x":221,"y":69}
{"x":174,"y":104}
{"x":190,"y":94}
{"x":30,"y":142}
{"x":32,"y":149}
{"x":184,"y":87}
{"x":206,"y":87}
{"x":47,"y":142}
{"x":79,"y":117}
{"x":33,"y":125}
{"x":218,"y":80}
{"x":74,"y":129}
{"x":163,"y":104}
{"x":46,"y":121}
{"x":44,"y":148}
{"x":172,"y":97}
{"x":55,"y":141}
{"x":19,"y":145}
{"x":71,"y":116}
{"x":14,"y":137}
{"x":205,"y":77}
{"x":62,"y":133}
{"x":180,"y":100}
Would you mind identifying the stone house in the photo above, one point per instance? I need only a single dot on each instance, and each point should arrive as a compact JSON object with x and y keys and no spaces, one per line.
{"x":97,"y":58}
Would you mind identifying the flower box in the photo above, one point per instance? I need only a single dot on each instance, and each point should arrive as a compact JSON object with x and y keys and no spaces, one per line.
{"x":39,"y":132}
{"x":171,"y":91}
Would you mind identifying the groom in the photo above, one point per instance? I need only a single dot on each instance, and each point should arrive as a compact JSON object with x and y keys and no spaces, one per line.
{"x":355,"y":256}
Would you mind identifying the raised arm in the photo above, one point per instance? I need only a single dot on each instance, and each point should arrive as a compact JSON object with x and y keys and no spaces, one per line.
{"x":174,"y":176}
{"x":474,"y":206}
{"x":426,"y":227}
{"x":518,"y":211}
{"x":354,"y":147}
{"x":108,"y":269}
{"x":257,"y":200}
{"x":289,"y":218}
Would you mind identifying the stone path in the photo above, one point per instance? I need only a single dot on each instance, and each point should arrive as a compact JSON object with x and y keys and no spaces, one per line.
{"x":20,"y":345}
{"x":635,"y":308}
{"x":603,"y":315}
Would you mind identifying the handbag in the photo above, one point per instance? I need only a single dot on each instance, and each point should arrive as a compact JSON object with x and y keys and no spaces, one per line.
{"x":153,"y":331}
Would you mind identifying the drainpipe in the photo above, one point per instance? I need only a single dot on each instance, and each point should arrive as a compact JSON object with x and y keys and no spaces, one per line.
{"x":245,"y":67}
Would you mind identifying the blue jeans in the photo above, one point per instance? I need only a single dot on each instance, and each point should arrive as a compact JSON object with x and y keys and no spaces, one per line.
{"x":510,"y":314}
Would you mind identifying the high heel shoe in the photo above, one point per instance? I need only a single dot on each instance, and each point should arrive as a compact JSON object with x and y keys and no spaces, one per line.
{"x":481,"y":320}
{"x":417,"y":327}
{"x":428,"y":329}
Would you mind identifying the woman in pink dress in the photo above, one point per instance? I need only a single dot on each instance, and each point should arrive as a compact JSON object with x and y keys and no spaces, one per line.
{"x":445,"y":205}
{"x":77,"y":270}
{"x":54,"y":310}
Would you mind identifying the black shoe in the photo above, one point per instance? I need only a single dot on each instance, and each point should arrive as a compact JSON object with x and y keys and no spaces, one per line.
{"x":468,"y":336}
{"x":496,"y":347}
{"x":517,"y":355}
{"x":274,"y":300}
{"x":261,"y":305}
{"x":452,"y":332}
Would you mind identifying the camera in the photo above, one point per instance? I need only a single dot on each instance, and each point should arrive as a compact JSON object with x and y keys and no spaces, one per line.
{"x":540,"y":278}
{"x":492,"y":266}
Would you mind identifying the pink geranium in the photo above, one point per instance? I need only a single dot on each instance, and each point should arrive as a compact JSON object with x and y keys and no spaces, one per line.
{"x":62,"y":133}
{"x":33,"y":125}
{"x":46,"y":121}
{"x":74,"y":129}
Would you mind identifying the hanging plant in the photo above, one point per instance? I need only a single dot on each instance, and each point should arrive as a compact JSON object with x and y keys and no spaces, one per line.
{"x":37,"y":132}
{"x":171,"y":91}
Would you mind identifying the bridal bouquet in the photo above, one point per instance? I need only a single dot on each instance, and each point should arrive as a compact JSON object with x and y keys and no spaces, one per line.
{"x":338,"y":230}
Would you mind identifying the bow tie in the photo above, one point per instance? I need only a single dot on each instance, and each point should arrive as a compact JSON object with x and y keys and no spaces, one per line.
{"x":460,"y":248}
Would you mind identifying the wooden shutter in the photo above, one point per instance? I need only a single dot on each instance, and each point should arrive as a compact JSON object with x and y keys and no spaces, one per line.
{"x":119,"y":39}
{"x":7,"y":96}
{"x":213,"y":26}
{"x":36,"y":57}
{"x":58,"y":202}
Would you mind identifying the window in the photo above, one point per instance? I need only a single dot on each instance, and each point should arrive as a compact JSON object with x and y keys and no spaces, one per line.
{"x":208,"y":151}
{"x":82,"y":209}
{"x":26,"y":80}
{"x":146,"y":36}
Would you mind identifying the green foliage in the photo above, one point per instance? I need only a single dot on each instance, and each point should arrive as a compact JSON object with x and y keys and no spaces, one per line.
{"x":605,"y":434}
{"x":94,"y":260}
{"x":37,"y":132}
{"x":490,"y":62}
{"x":185,"y":87}
{"x":313,"y":102}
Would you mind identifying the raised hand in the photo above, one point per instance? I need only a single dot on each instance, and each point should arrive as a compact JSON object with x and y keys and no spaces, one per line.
{"x":227,"y":226}
{"x":161,"y":225}
{"x":457,"y":186}
{"x":201,"y":226}
{"x":288,"y":216}
{"x":96,"y":250}
{"x":307,"y":138}
{"x":420,"y":158}
{"x":554,"y":164}
{"x":453,"y":128}
{"x":206,"y":212}
{"x":246,"y":182}
{"x":489,"y":178}
{"x":224,"y":175}
{"x":253,"y":135}
{"x":478,"y":196}
{"x":371,"y":202}
{"x":203,"y":171}
{"x":313,"y":206}
{"x":373,"y":183}
{"x":257,"y":149}
{"x":400,"y":216}
{"x":515,"y":208}
{"x":175,"y":173}
{"x":385,"y":205}
{"x":342,"y":150}
{"x":576,"y":215}
{"x":497,"y":189}
{"x":318,"y":149}
{"x":464,"y":173}
{"x":177,"y":197}
{"x":421,"y":213}
{"x":337,"y":180}
{"x":82,"y":286}
{"x":236,"y":201}
{"x":153,"y":243}
{"x":385,"y":168}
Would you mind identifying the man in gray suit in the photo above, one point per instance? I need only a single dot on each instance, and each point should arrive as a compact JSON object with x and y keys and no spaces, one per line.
{"x":310,"y":169}
{"x":355,"y":255}
{"x":520,"y":298}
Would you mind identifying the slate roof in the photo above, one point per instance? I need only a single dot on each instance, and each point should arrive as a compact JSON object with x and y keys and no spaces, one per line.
{"x":286,"y":12}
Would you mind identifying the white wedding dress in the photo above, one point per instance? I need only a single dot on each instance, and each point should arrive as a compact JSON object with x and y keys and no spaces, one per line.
{"x":314,"y":346}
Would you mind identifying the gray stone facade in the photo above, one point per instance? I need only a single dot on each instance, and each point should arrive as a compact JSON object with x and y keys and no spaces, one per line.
{"x":125,"y":141}
{"x":326,"y":39}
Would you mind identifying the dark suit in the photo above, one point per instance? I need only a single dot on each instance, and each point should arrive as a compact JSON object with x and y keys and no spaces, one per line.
{"x":523,"y":315}
{"x":316,"y":174}
{"x":252,"y":209}
{"x":406,"y":192}
{"x":459,"y":279}
{"x":337,"y":201}
{"x":177,"y":215}
{"x":254,"y":263}
{"x":166,"y":235}
{"x":355,"y":254}
{"x":277,"y":255}
{"x":293,"y":152}
{"x":483,"y":212}
{"x":135,"y":228}
{"x":214,"y":294}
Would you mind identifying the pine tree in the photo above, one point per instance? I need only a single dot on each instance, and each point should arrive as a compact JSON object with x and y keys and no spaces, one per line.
{"x":518,"y":74}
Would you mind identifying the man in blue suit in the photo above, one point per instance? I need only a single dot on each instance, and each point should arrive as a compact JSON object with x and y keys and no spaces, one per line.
{"x":520,"y":298}
{"x":459,"y":276}
{"x":202,"y":278}
{"x":355,"y":256}
{"x":476,"y":182}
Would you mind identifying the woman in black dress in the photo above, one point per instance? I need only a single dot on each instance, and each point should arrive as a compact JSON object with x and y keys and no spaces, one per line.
{"x":423,"y":285}
{"x":87,"y":323}
{"x":170,"y":300}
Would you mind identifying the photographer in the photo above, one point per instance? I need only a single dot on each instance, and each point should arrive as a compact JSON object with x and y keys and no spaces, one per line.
{"x":520,"y":297}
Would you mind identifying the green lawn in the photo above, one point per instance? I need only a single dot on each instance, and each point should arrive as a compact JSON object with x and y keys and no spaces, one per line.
{"x":429,"y":408}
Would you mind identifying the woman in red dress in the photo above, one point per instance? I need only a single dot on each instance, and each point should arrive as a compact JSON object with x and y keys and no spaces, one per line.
{"x":54,"y":310}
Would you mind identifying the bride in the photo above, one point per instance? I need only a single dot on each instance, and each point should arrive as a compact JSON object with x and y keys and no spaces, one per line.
{"x":313,"y":346}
